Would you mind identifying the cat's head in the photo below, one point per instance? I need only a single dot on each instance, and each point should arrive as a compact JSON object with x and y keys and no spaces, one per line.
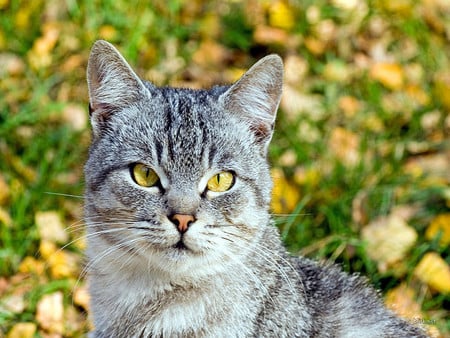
{"x":177,"y":180}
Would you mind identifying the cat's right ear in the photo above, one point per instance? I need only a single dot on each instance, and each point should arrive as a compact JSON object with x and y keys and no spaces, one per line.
{"x":113,"y":85}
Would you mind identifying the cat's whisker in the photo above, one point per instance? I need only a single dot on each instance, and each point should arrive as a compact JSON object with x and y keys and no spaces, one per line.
{"x":63,"y":195}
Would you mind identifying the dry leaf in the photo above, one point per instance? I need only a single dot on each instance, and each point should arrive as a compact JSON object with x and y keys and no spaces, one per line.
{"x":284,"y":195}
{"x":81,"y":297}
{"x":75,"y":116}
{"x":22,"y":330}
{"x":63,"y":264}
{"x":12,"y":65}
{"x":344,"y":144}
{"x":280,"y":15}
{"x":267,"y":35}
{"x":295,"y":70}
{"x":390,"y":75}
{"x":14,"y":303}
{"x":388,"y":240}
{"x":50,"y":313}
{"x":439,"y":225}
{"x":32,"y":265}
{"x":210,"y":53}
{"x":50,"y":226}
{"x":107,"y":32}
{"x":295,"y":103}
{"x":402,"y":301}
{"x":434,"y":271}
{"x":349,"y":105}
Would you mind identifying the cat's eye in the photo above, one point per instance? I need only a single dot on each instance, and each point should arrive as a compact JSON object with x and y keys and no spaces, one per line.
{"x":144,"y":175}
{"x":221,"y":182}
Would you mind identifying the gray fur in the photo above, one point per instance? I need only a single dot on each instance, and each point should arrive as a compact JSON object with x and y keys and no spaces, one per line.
{"x":235,"y":279}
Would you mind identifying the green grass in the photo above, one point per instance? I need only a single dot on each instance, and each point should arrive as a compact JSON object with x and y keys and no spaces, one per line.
{"x":41,"y":153}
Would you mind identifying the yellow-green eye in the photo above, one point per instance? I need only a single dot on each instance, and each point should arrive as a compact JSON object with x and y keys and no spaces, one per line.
{"x":143,"y":175}
{"x":221,"y":182}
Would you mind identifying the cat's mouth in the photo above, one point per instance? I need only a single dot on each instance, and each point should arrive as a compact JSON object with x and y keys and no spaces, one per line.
{"x":181,"y":246}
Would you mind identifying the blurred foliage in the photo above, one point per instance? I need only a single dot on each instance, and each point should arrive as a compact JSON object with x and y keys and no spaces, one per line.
{"x":361,"y":152}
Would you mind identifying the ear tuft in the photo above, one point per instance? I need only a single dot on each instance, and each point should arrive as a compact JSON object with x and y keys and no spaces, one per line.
{"x":256,"y":95}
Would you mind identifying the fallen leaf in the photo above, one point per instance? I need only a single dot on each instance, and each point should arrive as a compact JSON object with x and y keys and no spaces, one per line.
{"x":63,"y":264}
{"x":315,"y":46}
{"x":14,"y":303}
{"x":349,"y":105}
{"x":439,"y":225}
{"x":280,"y":15}
{"x":344,"y":145}
{"x":402,"y":300}
{"x":388,"y":240}
{"x":50,"y":226}
{"x":284,"y":195}
{"x":81,"y":297}
{"x":267,"y":35}
{"x":295,"y":103}
{"x":32,"y":265}
{"x":295,"y":70}
{"x":12,"y":65}
{"x":107,"y":32}
{"x":390,"y":75}
{"x":418,"y":95}
{"x":22,"y":330}
{"x":434,"y":271}
{"x":50,"y":313}
{"x":76,"y":116}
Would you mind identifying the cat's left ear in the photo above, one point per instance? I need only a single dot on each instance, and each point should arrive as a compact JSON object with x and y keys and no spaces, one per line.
{"x":256,"y":95}
{"x":113,"y":85}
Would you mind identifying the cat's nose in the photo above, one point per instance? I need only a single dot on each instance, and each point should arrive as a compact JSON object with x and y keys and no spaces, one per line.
{"x":182,"y":222}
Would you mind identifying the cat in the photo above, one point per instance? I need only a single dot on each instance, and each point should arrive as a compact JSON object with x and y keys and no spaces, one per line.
{"x":179,"y":238}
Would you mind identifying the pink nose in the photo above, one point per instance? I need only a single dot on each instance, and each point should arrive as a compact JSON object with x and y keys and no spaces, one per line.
{"x":182,"y":222}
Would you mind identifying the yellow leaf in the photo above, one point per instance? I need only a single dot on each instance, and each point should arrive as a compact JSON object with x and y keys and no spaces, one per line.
{"x":22,"y":330}
{"x":401,"y":300}
{"x":434,"y":271}
{"x":47,"y":248}
{"x":440,"y":224}
{"x":107,"y":32}
{"x":388,"y":240}
{"x":31,"y":265}
{"x":280,"y":15}
{"x":50,"y":313}
{"x":417,"y":94}
{"x":284,"y":195}
{"x":4,"y":4}
{"x":63,"y":264}
{"x":390,"y":75}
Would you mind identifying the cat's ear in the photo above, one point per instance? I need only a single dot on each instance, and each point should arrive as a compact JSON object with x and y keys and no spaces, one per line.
{"x":256,"y":95}
{"x":112,"y":84}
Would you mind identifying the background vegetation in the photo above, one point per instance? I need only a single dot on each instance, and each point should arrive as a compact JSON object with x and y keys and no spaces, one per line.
{"x":361,"y":153}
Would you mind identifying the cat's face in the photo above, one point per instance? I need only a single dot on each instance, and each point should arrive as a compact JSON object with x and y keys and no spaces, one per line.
{"x":177,"y":179}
